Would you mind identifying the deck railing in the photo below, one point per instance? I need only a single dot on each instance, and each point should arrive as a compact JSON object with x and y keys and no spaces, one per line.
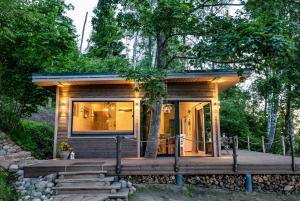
{"x":230,"y":143}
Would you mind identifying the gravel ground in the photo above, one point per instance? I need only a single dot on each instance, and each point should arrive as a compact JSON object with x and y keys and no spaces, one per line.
{"x":193,"y":193}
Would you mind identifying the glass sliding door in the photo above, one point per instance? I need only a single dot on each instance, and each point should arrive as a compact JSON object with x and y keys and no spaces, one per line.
{"x":195,"y":128}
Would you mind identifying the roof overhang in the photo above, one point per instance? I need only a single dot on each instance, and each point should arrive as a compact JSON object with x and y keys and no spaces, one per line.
{"x":224,"y":78}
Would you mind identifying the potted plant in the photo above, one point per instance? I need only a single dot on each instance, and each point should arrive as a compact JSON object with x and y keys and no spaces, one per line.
{"x":64,"y":150}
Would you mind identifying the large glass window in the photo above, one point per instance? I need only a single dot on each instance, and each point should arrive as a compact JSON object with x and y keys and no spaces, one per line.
{"x":91,"y":118}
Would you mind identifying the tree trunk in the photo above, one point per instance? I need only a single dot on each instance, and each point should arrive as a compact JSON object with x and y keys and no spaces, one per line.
{"x":289,"y":116}
{"x":152,"y":144}
{"x":151,"y":150}
{"x":272,"y":120}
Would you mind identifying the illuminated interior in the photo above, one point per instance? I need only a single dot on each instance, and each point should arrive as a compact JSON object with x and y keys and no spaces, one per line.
{"x":102,"y":118}
{"x":167,"y":130}
{"x":195,"y":128}
{"x":194,"y":125}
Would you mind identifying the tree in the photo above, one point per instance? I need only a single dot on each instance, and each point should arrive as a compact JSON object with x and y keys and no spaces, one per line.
{"x":34,"y":35}
{"x":177,"y":27}
{"x":106,"y":36}
{"x":200,"y":34}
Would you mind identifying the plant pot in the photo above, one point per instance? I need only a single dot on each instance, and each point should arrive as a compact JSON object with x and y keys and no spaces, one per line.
{"x":64,"y":155}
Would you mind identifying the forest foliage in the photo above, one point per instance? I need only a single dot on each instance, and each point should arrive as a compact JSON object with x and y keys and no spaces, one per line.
{"x":144,"y":40}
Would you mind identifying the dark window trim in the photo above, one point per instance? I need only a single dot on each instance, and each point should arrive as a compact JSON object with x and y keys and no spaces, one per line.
{"x":102,"y":134}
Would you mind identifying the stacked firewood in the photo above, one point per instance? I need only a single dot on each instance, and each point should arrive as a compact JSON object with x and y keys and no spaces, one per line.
{"x":277,"y":183}
{"x":151,"y":179}
{"x":232,"y":182}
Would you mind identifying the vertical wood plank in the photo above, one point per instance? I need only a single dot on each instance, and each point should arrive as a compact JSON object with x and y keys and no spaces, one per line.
{"x":216,"y":121}
{"x":56,"y":122}
{"x":137,"y":120}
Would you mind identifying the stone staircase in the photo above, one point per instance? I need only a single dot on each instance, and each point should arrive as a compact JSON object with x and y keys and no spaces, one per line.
{"x":89,"y":185}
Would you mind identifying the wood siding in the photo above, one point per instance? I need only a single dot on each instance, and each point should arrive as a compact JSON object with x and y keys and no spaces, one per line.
{"x":102,"y":147}
{"x":105,"y":147}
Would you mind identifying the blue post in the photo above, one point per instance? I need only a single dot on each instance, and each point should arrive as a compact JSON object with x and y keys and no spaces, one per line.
{"x":179,"y":180}
{"x":116,"y":178}
{"x":248,"y":183}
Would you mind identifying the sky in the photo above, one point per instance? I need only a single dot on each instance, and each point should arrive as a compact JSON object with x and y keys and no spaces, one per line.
{"x":78,"y":16}
{"x":83,"y":6}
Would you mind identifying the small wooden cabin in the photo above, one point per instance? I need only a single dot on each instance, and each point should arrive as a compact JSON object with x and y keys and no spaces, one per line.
{"x":93,"y":108}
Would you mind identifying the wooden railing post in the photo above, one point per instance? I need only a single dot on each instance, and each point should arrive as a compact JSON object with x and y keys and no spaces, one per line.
{"x":176,"y":164}
{"x":118,"y":155}
{"x":234,"y":153}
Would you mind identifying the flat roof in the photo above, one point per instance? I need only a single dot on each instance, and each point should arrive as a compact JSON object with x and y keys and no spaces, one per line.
{"x":226,"y":78}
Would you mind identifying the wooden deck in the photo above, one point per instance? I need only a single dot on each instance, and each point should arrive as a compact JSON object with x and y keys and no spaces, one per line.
{"x":248,"y":163}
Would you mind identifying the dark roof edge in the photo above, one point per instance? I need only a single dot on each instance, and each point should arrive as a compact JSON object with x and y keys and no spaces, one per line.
{"x":244,"y":71}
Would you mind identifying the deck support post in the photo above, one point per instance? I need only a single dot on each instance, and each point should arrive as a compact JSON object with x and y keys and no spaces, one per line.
{"x":176,"y":162}
{"x":248,"y":183}
{"x":179,"y":180}
{"x":234,"y":153}
{"x":118,"y":155}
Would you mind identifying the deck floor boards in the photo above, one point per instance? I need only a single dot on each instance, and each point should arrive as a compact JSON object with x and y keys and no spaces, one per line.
{"x":248,"y":162}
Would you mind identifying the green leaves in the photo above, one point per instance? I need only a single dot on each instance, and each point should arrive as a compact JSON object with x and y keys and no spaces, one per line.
{"x":151,"y":80}
{"x":34,"y":36}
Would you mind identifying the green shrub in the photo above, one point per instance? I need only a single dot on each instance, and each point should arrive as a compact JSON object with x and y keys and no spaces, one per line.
{"x":34,"y":137}
{"x":7,"y":192}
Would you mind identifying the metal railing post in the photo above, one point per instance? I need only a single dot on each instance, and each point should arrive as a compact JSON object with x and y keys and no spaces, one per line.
{"x":176,"y":164}
{"x":118,"y":155}
{"x":248,"y":142}
{"x":234,"y":153}
{"x":292,"y":153}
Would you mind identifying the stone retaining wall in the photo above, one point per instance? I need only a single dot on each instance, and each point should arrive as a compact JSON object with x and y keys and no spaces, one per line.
{"x":260,"y":183}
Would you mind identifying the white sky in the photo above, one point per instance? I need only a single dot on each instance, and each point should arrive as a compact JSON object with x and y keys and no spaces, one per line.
{"x":78,"y":16}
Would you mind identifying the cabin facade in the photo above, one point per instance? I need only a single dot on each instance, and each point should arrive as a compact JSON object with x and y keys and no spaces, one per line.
{"x":92,"y":109}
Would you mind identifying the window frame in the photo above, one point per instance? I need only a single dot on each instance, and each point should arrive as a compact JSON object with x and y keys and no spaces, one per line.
{"x":100,"y":134}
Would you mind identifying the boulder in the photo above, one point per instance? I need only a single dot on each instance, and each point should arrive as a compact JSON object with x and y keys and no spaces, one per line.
{"x":13,"y":168}
{"x":6,"y":147}
{"x":51,"y":177}
{"x":288,"y":188}
{"x":2,"y":152}
{"x":50,"y":185}
{"x":40,"y":186}
{"x":129,"y":184}
{"x":36,"y":194}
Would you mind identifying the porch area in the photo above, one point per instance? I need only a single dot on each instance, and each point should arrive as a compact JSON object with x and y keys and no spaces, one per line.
{"x":248,"y":162}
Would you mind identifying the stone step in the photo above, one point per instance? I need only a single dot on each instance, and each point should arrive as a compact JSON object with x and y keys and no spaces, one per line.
{"x":85,"y":189}
{"x":106,"y":179}
{"x":82,"y":174}
{"x":91,"y":197}
{"x":121,"y":195}
{"x":81,"y":197}
{"x":18,"y":155}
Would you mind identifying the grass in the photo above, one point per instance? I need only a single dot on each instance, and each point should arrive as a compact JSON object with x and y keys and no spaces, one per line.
{"x":7,"y":192}
{"x":160,"y":192}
